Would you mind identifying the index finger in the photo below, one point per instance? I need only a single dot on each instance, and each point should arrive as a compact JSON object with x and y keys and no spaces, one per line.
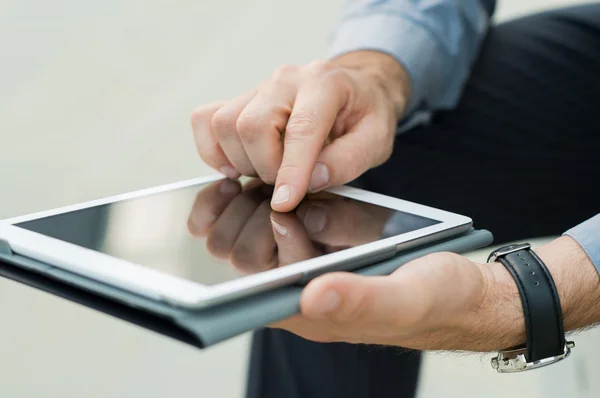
{"x":313,"y":116}
{"x":341,"y":222}
{"x":292,"y":242}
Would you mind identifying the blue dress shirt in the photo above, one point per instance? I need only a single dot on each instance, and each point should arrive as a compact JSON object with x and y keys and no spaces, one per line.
{"x":436,"y":41}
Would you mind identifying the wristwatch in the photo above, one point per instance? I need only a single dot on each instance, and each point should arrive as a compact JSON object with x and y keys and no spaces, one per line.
{"x":546,"y":343}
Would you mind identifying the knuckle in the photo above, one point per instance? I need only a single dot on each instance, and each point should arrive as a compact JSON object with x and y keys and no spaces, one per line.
{"x":287,"y":170}
{"x":222,"y":122}
{"x":198,"y":116}
{"x":301,"y":124}
{"x":321,"y":66}
{"x":337,"y":78}
{"x":284,"y":72}
{"x":249,"y":125}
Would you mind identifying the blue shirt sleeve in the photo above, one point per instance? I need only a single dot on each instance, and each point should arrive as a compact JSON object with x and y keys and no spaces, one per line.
{"x":587,"y":234}
{"x":435,"y":40}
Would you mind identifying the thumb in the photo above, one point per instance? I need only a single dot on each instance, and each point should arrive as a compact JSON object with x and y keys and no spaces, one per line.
{"x":349,"y":297}
{"x":366,"y":145}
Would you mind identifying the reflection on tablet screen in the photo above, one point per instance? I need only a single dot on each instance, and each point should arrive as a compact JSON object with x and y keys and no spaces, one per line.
{"x":215,"y":232}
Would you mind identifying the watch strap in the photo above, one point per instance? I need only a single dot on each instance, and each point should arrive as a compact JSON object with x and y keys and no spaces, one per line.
{"x":541,"y":304}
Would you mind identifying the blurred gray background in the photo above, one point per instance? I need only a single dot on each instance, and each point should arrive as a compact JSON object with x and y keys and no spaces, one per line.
{"x":95,"y":99}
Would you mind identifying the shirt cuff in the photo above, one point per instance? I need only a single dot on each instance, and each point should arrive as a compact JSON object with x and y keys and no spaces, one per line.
{"x":587,"y":234}
{"x":418,"y":53}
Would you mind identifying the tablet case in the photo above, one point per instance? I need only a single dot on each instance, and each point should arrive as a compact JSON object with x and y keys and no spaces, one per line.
{"x":200,"y":328}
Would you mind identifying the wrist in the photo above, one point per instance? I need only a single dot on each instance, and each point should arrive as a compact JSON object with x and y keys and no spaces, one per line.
{"x":498,"y":321}
{"x":577,"y":281}
{"x":387,"y":73}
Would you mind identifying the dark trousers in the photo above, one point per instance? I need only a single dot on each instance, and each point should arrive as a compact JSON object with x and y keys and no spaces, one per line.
{"x":520,"y":155}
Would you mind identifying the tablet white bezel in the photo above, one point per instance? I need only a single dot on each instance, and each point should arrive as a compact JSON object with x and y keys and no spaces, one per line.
{"x":158,"y":285}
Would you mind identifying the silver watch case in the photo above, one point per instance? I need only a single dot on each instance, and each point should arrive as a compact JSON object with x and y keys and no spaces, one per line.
{"x":512,"y":361}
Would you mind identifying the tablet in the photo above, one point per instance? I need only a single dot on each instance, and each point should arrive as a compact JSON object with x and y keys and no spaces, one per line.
{"x":205,"y":241}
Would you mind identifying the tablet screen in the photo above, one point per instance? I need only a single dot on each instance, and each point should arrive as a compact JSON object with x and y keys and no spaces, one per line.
{"x":214,"y":232}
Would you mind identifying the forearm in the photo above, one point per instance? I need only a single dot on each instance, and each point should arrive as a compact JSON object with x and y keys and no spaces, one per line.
{"x":499,"y":321}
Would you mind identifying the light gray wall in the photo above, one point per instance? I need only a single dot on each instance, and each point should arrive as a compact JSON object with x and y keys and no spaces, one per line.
{"x":95,"y":98}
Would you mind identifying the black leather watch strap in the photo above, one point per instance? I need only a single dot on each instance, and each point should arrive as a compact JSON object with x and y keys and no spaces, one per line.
{"x":541,"y":304}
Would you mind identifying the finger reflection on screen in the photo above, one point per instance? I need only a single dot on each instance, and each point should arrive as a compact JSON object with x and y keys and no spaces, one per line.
{"x":240,"y":226}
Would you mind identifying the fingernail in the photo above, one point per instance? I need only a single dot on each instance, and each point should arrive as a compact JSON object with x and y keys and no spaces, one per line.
{"x":281,"y":230}
{"x":319,"y":178}
{"x":228,"y":187}
{"x":282,"y":195}
{"x":230,"y":172}
{"x":329,"y":302}
{"x":315,"y":219}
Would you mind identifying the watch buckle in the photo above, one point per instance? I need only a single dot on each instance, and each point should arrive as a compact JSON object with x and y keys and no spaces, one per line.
{"x":511,"y":361}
